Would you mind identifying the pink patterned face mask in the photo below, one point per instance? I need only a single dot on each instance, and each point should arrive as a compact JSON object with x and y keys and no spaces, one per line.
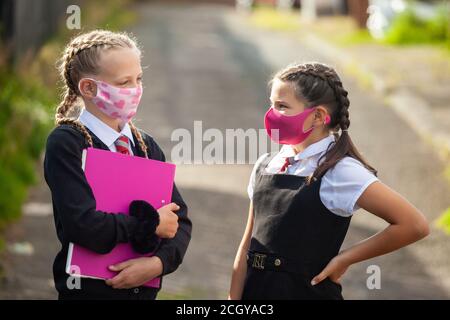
{"x":118,"y":103}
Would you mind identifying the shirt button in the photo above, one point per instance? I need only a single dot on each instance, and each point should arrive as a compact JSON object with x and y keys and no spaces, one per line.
{"x":277,"y":262}
{"x":136,"y":290}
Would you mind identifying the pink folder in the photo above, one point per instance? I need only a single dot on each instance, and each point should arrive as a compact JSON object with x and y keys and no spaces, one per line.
{"x":116,"y":180}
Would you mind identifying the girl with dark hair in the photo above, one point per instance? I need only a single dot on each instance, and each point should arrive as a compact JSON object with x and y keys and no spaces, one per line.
{"x":303,"y":197}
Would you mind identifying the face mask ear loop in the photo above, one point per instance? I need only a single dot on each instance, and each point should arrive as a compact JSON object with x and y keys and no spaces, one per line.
{"x":325,"y":122}
{"x":312,"y":128}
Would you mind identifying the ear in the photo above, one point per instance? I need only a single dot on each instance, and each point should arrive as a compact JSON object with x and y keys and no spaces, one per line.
{"x":322,"y":115}
{"x":88,"y":88}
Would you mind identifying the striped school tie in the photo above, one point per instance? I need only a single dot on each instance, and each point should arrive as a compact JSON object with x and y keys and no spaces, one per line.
{"x":123,"y":145}
{"x":287,"y":161}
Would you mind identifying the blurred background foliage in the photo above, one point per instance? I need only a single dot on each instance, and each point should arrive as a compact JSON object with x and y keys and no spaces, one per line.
{"x":409,"y":28}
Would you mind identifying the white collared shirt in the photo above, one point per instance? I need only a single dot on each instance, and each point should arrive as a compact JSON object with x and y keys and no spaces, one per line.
{"x":341,"y":186}
{"x":104,"y":132}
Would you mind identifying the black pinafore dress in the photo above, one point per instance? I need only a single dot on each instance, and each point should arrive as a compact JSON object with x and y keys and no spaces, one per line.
{"x":294,"y":237}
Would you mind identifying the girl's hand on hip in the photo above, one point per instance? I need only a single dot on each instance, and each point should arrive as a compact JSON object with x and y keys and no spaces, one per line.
{"x":135,"y":272}
{"x":334,"y":270}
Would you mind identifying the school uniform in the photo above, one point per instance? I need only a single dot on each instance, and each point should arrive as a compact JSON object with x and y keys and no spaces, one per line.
{"x":78,"y":221}
{"x":299,"y":228}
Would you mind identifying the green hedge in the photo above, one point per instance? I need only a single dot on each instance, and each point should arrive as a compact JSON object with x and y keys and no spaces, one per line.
{"x":408,"y":28}
{"x":24,"y":123}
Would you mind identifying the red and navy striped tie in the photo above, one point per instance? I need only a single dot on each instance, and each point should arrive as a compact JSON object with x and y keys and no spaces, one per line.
{"x":123,"y":145}
{"x":286,"y":164}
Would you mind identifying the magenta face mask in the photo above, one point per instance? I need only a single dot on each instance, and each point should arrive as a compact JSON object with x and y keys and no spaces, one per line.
{"x":284,"y":129}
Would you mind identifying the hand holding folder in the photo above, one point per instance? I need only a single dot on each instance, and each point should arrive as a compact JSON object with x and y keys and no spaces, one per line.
{"x":168,"y":225}
{"x":116,"y":181}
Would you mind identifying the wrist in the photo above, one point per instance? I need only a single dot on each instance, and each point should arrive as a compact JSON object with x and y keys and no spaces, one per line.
{"x":158,"y":230}
{"x":344,"y":258}
{"x":162,"y":256}
{"x":157,"y":265}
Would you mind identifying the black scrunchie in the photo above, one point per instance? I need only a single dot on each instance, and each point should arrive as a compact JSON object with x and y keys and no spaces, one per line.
{"x":144,"y":239}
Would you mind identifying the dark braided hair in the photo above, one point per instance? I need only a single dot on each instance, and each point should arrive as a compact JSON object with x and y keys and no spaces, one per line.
{"x":318,"y":84}
{"x":81,"y":57}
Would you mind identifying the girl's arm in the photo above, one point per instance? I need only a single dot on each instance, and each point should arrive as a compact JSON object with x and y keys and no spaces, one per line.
{"x":171,"y":251}
{"x":407,"y":225}
{"x":169,"y":254}
{"x":240,"y":262}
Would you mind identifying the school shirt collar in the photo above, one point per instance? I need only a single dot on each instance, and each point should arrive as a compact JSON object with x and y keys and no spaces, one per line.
{"x":312,"y":150}
{"x":104,"y":132}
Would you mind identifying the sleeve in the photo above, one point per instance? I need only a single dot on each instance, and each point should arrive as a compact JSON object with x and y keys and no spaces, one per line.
{"x":251,"y":183}
{"x":73,"y":200}
{"x":172,"y":251}
{"x":342,"y":186}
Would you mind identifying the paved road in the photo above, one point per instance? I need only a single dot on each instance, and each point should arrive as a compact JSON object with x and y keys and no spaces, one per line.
{"x":206,"y":63}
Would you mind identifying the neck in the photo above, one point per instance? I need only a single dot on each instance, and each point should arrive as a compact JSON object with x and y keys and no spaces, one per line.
{"x":313,"y":138}
{"x":111,"y":122}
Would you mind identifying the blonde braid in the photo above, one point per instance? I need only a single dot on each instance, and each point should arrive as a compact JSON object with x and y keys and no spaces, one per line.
{"x":63,"y":108}
{"x":138,"y":135}
{"x":80,"y":127}
{"x":70,"y":97}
